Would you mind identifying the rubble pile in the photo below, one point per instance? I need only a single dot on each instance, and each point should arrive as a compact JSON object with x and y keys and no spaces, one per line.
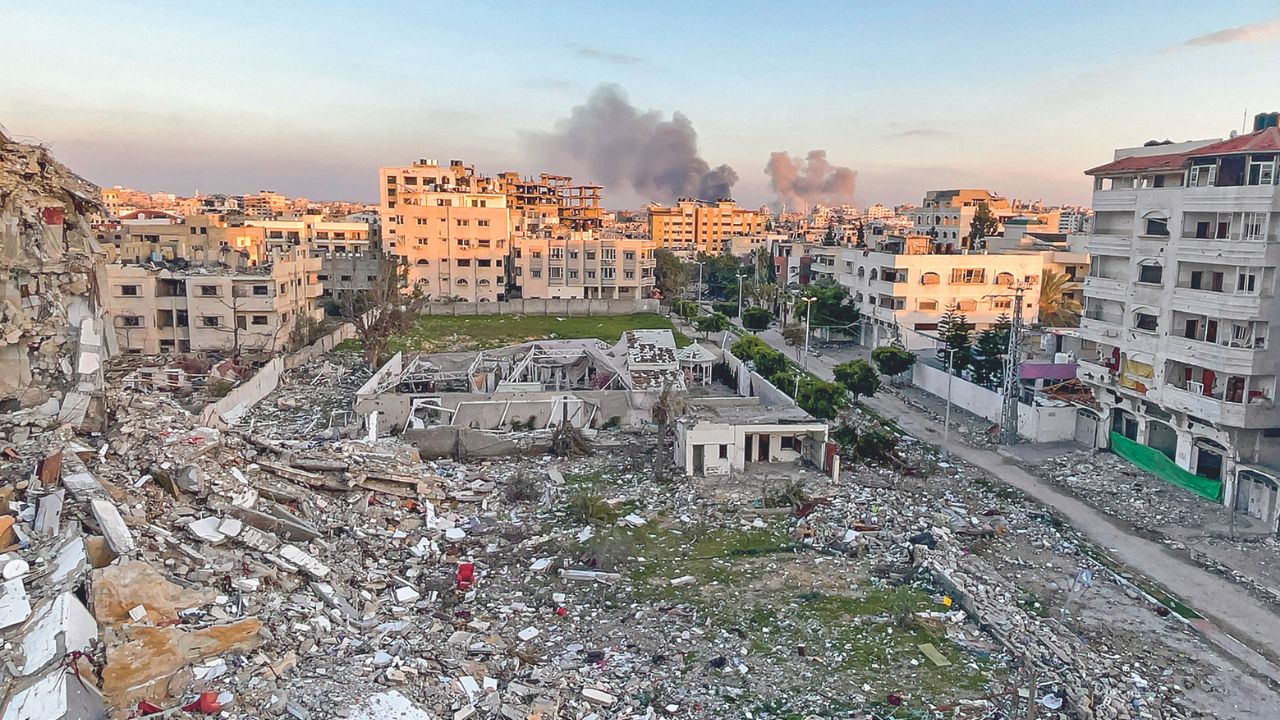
{"x":50,"y":333}
{"x":312,"y":401}
{"x":278,"y":571}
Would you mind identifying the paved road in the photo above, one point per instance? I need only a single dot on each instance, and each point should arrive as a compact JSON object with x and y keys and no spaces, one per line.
{"x":1236,"y":616}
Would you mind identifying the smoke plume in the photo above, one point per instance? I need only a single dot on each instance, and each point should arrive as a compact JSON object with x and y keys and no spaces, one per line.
{"x":801,"y":183}
{"x":609,"y":141}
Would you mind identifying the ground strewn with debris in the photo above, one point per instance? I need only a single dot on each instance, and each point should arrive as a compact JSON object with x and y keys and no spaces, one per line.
{"x":329,"y":577}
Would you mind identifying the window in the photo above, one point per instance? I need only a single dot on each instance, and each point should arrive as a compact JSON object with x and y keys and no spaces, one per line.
{"x":591,"y":254}
{"x":1145,"y":321}
{"x":208,"y":290}
{"x":129,"y":321}
{"x":1246,"y":282}
{"x":1157,"y":226}
{"x":1202,"y":175}
{"x":1151,"y":274}
{"x":609,"y":254}
{"x":482,"y":223}
{"x":557,"y":253}
{"x":573,"y":274}
{"x":284,"y":288}
{"x":629,"y":274}
{"x":1205,"y":280}
{"x":345,"y":278}
{"x":966,"y":305}
{"x":1253,"y":226}
{"x":927,"y":305}
{"x":1002,"y":303}
{"x":573,"y":254}
{"x":210,"y":321}
{"x":537,"y":254}
{"x":929,"y":278}
{"x":1262,"y":169}
{"x":724,"y":452}
{"x":968,"y":276}
{"x":463,"y":223}
{"x":484,"y":263}
{"x":608,"y":273}
{"x":629,"y":255}
{"x":555,"y":273}
{"x":535,"y":274}
{"x":1004,"y":278}
{"x":259,"y":319}
{"x":591,"y":274}
{"x":464,"y":262}
{"x":260,"y":290}
{"x":130,"y":290}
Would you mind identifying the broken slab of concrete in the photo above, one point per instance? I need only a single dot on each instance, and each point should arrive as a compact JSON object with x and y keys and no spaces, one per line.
{"x":15,"y":605}
{"x":117,"y":589}
{"x":276,"y":520}
{"x":113,"y":527}
{"x":145,"y":664}
{"x":60,"y":626}
{"x":59,"y":694}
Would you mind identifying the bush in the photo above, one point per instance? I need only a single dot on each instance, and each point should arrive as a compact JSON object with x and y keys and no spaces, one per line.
{"x":685,"y":308}
{"x":522,"y":488}
{"x":728,"y":309}
{"x":892,"y":360}
{"x":589,"y":506}
{"x":820,"y":399}
{"x":220,"y":388}
{"x":756,"y":318}
{"x":858,"y":377}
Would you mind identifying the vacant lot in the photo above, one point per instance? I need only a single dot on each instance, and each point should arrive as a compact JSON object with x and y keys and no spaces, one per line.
{"x":434,"y":333}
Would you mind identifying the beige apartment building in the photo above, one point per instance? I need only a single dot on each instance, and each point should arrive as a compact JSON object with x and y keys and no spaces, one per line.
{"x":583,"y":264}
{"x":694,"y":226}
{"x":209,"y":307}
{"x":265,"y":204}
{"x":450,"y":225}
{"x":198,"y":238}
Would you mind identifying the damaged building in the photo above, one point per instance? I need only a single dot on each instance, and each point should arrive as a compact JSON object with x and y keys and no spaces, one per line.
{"x":536,"y":385}
{"x":51,"y":333}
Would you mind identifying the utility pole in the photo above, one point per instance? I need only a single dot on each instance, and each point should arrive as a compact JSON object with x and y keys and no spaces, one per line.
{"x":1012,"y":364}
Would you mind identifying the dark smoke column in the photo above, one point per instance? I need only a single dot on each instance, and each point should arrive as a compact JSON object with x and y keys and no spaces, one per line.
{"x":802,"y":183}
{"x":608,"y":140}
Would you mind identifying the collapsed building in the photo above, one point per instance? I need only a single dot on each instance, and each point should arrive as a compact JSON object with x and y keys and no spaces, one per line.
{"x":542,"y":384}
{"x":51,"y":332}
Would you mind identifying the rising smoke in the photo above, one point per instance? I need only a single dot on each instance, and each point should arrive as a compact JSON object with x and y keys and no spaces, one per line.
{"x":608,"y":140}
{"x":800,"y":183}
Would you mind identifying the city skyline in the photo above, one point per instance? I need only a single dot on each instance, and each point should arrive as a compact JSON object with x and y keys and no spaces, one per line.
{"x":309,"y":106}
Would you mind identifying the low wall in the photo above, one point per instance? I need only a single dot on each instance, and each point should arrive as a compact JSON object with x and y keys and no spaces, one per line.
{"x":1035,"y":423}
{"x":229,"y":408}
{"x":545,"y":306}
{"x":753,"y":384}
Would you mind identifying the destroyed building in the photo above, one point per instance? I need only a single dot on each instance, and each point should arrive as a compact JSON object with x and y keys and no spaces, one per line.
{"x":51,"y":344}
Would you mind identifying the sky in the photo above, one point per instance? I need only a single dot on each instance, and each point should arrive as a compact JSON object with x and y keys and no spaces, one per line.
{"x":309,"y":99}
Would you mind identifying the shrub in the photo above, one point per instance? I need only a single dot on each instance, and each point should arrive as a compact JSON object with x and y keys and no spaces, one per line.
{"x":756,"y":318}
{"x":685,"y":308}
{"x":858,"y":377}
{"x":522,"y":488}
{"x":588,"y":505}
{"x":728,"y":309}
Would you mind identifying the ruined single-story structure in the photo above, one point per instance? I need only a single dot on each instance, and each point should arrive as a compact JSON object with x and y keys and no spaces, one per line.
{"x":717,"y":436}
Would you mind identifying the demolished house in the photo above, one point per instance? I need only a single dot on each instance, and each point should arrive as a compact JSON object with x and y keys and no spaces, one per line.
{"x":51,"y":332}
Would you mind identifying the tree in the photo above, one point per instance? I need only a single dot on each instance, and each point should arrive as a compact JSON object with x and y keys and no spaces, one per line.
{"x":382,"y":311}
{"x":820,"y":399}
{"x":858,"y":377}
{"x":669,"y":407}
{"x":794,"y":336}
{"x":831,"y":307}
{"x":713,"y":323}
{"x":893,"y":360}
{"x":984,"y":224}
{"x":756,"y":318}
{"x":686,"y":309}
{"x":1056,"y":309}
{"x":989,"y":352}
{"x":720,"y":274}
{"x":729,"y":309}
{"x":768,"y":362}
{"x":953,"y":328}
{"x":670,"y":275}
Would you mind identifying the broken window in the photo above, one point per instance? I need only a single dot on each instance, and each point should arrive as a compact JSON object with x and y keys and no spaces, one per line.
{"x":1152,"y":273}
{"x":209,"y":290}
{"x":259,"y":319}
{"x":968,"y":276}
{"x":1145,"y":321}
{"x":1158,"y":227}
{"x":130,"y":321}
{"x":211,"y":321}
{"x":130,"y":290}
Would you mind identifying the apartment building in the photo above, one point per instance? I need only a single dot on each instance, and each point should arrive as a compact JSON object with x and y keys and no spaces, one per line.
{"x":694,"y":226}
{"x":196,"y":238}
{"x":450,"y":225}
{"x":583,"y":264}
{"x":208,"y":307}
{"x":902,"y":287}
{"x":1179,"y":302}
{"x":348,"y":251}
{"x":265,"y":204}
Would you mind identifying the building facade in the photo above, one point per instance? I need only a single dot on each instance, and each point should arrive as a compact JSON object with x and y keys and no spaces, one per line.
{"x":583,"y":264}
{"x":451,"y":227}
{"x":1179,"y":303}
{"x":693,"y":226}
{"x":162,"y":308}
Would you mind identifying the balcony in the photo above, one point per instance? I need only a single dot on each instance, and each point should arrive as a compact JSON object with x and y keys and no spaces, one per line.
{"x":1257,"y":414}
{"x":1108,"y":288}
{"x":1239,"y":198}
{"x":1121,"y":199}
{"x":1252,"y":251}
{"x":1102,"y":331}
{"x":1095,"y":373}
{"x":1207,"y":302}
{"x":1109,"y":245}
{"x":1221,"y":357}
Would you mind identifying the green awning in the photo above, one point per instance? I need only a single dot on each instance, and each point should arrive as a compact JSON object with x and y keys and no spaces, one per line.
{"x":1158,"y":464}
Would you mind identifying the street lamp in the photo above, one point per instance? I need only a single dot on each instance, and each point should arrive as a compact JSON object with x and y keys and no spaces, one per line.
{"x":740,"y":276}
{"x":699,"y":263}
{"x":808,"y":315}
{"x":946,"y":419}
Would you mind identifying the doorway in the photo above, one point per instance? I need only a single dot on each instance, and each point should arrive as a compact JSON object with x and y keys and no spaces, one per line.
{"x":762,"y":444}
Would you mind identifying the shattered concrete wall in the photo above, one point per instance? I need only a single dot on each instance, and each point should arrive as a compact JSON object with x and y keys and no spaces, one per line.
{"x":51,"y":351}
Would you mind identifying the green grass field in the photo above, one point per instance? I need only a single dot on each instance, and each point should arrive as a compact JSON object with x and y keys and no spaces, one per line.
{"x":436,"y":333}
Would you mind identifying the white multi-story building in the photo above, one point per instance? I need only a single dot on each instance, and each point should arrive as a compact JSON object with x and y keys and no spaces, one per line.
{"x":1179,"y":303}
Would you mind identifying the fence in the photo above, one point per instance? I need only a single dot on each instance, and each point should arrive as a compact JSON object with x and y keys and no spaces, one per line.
{"x":247,"y":394}
{"x":1037,"y":423}
{"x":545,"y":306}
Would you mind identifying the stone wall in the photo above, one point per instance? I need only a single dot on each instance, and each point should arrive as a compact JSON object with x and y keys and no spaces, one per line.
{"x":538,"y":306}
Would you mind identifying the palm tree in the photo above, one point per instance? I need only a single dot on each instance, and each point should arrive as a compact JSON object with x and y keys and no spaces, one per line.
{"x":669,"y":407}
{"x":1056,"y":309}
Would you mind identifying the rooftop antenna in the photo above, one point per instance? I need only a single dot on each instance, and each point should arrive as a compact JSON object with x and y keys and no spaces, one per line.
{"x":1244,"y":122}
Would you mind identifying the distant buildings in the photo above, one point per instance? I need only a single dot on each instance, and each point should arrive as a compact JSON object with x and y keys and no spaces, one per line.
{"x":693,"y":226}
{"x":1180,"y":302}
{"x":451,"y":226}
{"x":583,"y":264}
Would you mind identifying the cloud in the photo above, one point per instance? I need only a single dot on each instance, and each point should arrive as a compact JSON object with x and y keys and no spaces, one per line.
{"x":1253,"y":32}
{"x":924,"y":132}
{"x":590,"y":52}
